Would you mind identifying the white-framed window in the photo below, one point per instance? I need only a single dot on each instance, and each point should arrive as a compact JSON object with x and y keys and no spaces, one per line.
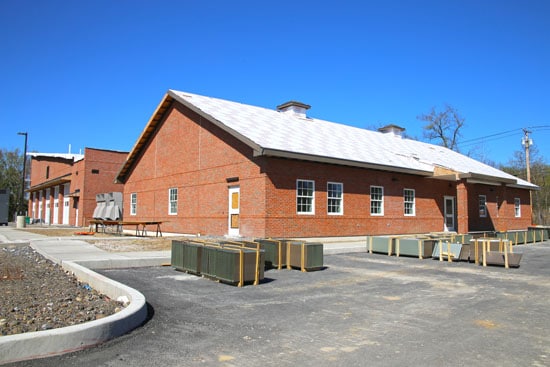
{"x":517,"y":207}
{"x":377,"y":200}
{"x":409,"y":207}
{"x":482,"y":206}
{"x":335,"y":198}
{"x":305,"y":197}
{"x":173,"y":201}
{"x":133,"y":203}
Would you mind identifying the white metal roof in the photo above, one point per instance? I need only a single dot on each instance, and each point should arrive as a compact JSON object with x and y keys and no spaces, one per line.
{"x":271,"y":132}
{"x":74,"y":157}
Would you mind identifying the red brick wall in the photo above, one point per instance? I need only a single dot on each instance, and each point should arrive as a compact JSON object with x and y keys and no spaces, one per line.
{"x":57,"y":167}
{"x":282,"y":219}
{"x":193,"y":155}
{"x":98,"y":172}
{"x":44,"y":169}
{"x":500,"y":208}
{"x":106,"y":162}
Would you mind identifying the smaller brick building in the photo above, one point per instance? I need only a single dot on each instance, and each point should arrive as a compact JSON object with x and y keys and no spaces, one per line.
{"x":64,"y":186}
{"x":212,"y":166}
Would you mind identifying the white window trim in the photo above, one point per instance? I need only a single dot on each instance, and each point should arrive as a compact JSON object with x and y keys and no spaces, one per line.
{"x":312,"y":212}
{"x":484,"y":215}
{"x":413,"y":214}
{"x":381,"y":202}
{"x":517,"y":207}
{"x":133,"y":203}
{"x":170,"y":212}
{"x":341,"y":212}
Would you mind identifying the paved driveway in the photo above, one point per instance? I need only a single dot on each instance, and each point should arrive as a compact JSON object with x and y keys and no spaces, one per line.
{"x":361,"y":310}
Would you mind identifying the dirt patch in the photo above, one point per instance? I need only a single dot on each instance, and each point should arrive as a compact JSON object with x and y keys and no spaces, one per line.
{"x":108,"y":241}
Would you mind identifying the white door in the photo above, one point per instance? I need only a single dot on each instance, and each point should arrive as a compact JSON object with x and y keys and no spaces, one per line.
{"x":66,"y":203}
{"x":76,"y":212}
{"x":234,"y":204}
{"x":449,"y":209}
{"x":48,"y":209}
{"x":34,"y":205}
{"x":40,"y":214}
{"x":56,"y":205}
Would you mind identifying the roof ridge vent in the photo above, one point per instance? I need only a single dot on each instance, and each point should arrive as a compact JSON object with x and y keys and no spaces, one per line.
{"x":294,"y":108}
{"x":392,"y":129}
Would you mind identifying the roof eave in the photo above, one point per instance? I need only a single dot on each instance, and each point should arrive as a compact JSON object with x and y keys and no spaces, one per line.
{"x":495,"y":180}
{"x":147,"y":132}
{"x":338,"y":161}
{"x":53,"y":182}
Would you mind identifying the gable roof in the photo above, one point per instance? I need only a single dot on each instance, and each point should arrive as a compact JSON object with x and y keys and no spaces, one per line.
{"x":281,"y":134}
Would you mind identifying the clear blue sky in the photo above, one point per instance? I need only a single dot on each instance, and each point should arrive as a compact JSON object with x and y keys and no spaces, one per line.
{"x":90,"y":73}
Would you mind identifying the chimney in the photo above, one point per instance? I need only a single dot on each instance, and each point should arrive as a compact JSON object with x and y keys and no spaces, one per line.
{"x":294,"y":108}
{"x":394,"y":130}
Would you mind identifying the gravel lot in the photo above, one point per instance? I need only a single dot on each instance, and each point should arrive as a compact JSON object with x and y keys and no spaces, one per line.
{"x":39,"y":295}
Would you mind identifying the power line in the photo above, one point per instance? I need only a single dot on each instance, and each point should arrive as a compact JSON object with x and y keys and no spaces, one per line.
{"x":500,"y":135}
{"x":492,"y":135}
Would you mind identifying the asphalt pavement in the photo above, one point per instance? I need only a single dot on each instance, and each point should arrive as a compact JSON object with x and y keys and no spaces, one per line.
{"x":361,"y":309}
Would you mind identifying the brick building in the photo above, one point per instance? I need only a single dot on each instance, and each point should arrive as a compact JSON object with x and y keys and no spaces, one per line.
{"x":211,"y":166}
{"x":64,"y":186}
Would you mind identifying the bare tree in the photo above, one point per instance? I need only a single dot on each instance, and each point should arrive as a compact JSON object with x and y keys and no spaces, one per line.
{"x":11,"y":166}
{"x":444,"y":126}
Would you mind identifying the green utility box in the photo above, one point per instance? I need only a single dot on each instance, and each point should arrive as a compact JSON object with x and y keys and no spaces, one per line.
{"x":381,"y":244}
{"x":275,"y":252}
{"x":209,"y":260}
{"x":192,"y":253}
{"x":228,"y":266}
{"x":421,"y":248}
{"x":177,"y":254}
{"x":307,"y":256}
{"x":186,"y":256}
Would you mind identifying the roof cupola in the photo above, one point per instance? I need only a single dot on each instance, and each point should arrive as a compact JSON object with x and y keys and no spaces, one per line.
{"x":294,"y":108}
{"x":394,"y":130}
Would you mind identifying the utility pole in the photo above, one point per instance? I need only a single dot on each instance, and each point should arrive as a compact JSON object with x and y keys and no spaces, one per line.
{"x":527,"y":142}
{"x":22,"y":204}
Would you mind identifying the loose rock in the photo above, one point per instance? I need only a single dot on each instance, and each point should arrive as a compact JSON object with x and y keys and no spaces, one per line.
{"x":37,"y":294}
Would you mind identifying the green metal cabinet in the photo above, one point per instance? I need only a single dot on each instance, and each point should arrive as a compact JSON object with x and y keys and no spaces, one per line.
{"x":192,"y":253}
{"x":381,"y":244}
{"x":307,"y":256}
{"x":177,"y":255}
{"x":421,"y":248}
{"x":228,"y":264}
{"x":275,"y":252}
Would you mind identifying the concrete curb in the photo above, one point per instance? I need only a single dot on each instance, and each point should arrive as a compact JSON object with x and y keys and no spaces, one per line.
{"x":124,"y":263}
{"x":48,"y":343}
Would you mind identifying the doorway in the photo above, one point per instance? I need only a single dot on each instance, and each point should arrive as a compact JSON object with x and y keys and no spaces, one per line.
{"x":449,"y":216}
{"x":234,"y":211}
